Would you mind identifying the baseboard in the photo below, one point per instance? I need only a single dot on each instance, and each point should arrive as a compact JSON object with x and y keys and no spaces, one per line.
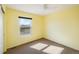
{"x":39,"y":39}
{"x":22,"y":44}
{"x":62,"y":44}
{"x":4,"y":52}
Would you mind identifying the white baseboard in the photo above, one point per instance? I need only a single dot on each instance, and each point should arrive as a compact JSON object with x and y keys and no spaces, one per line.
{"x":62,"y":44}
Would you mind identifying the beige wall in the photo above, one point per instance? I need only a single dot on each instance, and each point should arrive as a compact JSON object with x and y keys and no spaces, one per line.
{"x":63,"y":27}
{"x":13,"y":31}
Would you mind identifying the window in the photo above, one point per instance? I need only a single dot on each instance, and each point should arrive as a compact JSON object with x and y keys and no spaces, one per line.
{"x":25,"y":25}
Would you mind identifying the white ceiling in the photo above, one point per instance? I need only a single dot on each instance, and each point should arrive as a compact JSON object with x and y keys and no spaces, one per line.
{"x":38,"y":8}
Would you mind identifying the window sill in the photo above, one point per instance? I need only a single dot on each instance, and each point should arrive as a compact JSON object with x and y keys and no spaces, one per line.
{"x":25,"y":35}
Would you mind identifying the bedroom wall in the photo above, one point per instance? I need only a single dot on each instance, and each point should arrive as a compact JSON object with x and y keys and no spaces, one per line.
{"x":63,"y":27}
{"x":13,"y":31}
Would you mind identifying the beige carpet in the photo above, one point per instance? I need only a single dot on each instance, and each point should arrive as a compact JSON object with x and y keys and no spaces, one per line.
{"x":53,"y":50}
{"x":39,"y":46}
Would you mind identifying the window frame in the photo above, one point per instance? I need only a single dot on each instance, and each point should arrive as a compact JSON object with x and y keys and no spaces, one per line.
{"x":30,"y":27}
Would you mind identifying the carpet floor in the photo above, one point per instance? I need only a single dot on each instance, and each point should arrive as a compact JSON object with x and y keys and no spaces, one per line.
{"x":26,"y":49}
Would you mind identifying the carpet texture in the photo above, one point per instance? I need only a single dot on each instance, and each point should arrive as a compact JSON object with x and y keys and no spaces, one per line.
{"x":53,"y":50}
{"x":39,"y":46}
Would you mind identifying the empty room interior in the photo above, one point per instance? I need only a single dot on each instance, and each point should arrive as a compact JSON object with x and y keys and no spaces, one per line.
{"x":39,"y":28}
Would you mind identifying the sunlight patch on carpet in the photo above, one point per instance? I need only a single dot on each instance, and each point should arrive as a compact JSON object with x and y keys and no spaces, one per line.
{"x":53,"y":50}
{"x":39,"y":46}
